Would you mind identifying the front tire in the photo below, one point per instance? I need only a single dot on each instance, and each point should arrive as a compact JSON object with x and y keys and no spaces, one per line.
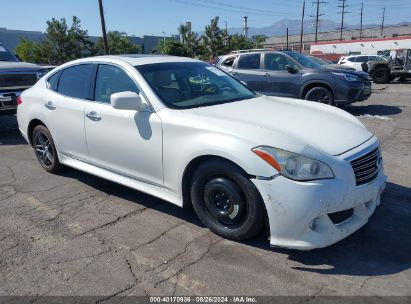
{"x":226,"y":201}
{"x":45,"y":149}
{"x":320,"y":94}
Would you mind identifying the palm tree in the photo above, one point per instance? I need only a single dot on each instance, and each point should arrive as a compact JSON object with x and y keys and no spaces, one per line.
{"x":183,"y":30}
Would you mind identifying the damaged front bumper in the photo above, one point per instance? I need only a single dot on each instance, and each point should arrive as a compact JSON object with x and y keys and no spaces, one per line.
{"x":308,"y":215}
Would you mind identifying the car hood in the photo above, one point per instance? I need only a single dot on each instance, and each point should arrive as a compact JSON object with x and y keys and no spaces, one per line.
{"x":285,"y":123}
{"x":9,"y":66}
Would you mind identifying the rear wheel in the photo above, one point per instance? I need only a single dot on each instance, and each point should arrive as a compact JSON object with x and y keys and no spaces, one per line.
{"x":226,"y":200}
{"x":320,"y":94}
{"x":45,"y":149}
{"x":381,"y":75}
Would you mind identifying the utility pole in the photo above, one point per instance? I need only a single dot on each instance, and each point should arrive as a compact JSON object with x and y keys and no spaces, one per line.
{"x":362,"y":9}
{"x":382,"y":24}
{"x":103,"y":27}
{"x":302,"y":28}
{"x":317,"y":18}
{"x":246,"y":27}
{"x":287,"y":39}
{"x":343,"y":12}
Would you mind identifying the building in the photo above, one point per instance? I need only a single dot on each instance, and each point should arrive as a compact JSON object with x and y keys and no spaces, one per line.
{"x":280,"y":42}
{"x":11,"y":38}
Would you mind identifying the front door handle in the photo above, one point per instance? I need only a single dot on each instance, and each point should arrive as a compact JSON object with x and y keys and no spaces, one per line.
{"x":267,"y":74}
{"x":235,"y":74}
{"x":50,"y":105}
{"x":93,"y":116}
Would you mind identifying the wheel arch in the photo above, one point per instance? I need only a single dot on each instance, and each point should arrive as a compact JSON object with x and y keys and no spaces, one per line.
{"x":33,"y":123}
{"x":199,"y":160}
{"x":312,"y":84}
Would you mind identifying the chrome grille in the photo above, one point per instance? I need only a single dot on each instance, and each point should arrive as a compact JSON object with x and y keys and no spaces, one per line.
{"x":366,"y":167}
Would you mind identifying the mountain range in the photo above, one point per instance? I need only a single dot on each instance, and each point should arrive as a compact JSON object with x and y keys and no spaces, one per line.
{"x":279,"y":28}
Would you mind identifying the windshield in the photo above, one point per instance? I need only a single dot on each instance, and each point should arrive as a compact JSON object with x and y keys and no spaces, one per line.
{"x":183,"y":85}
{"x":6,"y":55}
{"x":305,"y":61}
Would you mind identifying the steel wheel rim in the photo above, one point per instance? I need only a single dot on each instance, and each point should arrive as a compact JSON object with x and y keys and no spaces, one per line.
{"x":380,"y":76}
{"x":44,"y":149}
{"x":224,"y":202}
{"x":320,"y":96}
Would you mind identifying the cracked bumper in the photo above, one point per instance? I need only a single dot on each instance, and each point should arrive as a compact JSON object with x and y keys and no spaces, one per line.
{"x":300,"y":213}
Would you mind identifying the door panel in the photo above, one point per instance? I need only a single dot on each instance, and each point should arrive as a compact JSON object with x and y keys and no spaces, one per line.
{"x":64,"y":110}
{"x":128,"y":142}
{"x":125,"y":141}
{"x":248,"y":70}
{"x":279,"y":81}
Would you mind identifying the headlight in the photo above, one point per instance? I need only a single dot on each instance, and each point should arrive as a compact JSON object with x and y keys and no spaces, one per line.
{"x":294,"y":166}
{"x":348,"y":77}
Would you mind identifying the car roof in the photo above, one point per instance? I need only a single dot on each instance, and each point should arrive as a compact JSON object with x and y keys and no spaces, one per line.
{"x":140,"y":59}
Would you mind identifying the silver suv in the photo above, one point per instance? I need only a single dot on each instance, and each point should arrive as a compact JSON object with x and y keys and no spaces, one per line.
{"x":294,"y":75}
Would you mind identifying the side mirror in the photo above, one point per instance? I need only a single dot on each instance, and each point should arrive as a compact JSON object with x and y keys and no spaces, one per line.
{"x":291,"y":69}
{"x":126,"y":101}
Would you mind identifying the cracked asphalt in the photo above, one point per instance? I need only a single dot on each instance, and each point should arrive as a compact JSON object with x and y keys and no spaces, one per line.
{"x":76,"y":234}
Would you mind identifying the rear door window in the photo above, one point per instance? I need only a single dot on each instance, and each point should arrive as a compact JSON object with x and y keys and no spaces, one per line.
{"x":362,"y":59}
{"x":249,"y":61}
{"x":75,"y":81}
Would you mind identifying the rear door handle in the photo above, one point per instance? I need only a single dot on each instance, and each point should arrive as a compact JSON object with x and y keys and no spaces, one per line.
{"x":49,"y":105}
{"x":235,"y":74}
{"x":92,"y":115}
{"x":267,"y":74}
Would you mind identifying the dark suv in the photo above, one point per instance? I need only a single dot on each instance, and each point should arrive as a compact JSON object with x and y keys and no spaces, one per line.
{"x":294,"y":75}
{"x":15,"y":77}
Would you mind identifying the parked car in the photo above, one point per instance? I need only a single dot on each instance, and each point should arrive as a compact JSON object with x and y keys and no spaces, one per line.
{"x":15,"y":77}
{"x":294,"y":75}
{"x":330,"y":65}
{"x":186,"y":132}
{"x":359,"y":62}
{"x":397,"y":67}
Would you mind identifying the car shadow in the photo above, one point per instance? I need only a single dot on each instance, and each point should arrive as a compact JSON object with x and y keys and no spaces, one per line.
{"x":382,"y":110}
{"x":381,"y":247}
{"x":9,"y":131}
{"x":131,"y":195}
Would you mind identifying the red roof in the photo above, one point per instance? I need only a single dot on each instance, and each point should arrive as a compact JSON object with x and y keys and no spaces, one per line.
{"x":363,"y":40}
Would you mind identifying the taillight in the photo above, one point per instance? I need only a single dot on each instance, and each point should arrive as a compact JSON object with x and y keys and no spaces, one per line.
{"x":19,"y":100}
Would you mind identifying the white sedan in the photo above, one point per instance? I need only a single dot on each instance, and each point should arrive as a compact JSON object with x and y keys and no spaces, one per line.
{"x":188,"y":133}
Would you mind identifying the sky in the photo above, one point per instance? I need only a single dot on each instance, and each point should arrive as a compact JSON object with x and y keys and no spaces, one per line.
{"x":152,"y":17}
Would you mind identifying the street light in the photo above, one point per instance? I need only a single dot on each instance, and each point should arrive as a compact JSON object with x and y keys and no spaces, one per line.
{"x":103,"y":27}
{"x":164,"y":42}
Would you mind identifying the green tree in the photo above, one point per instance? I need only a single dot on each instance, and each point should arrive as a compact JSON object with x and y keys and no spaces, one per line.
{"x":171,"y":47}
{"x":62,"y":43}
{"x":212,"y":39}
{"x":78,"y":41}
{"x":29,"y":51}
{"x":118,"y":43}
{"x":239,"y":42}
{"x":259,"y":41}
